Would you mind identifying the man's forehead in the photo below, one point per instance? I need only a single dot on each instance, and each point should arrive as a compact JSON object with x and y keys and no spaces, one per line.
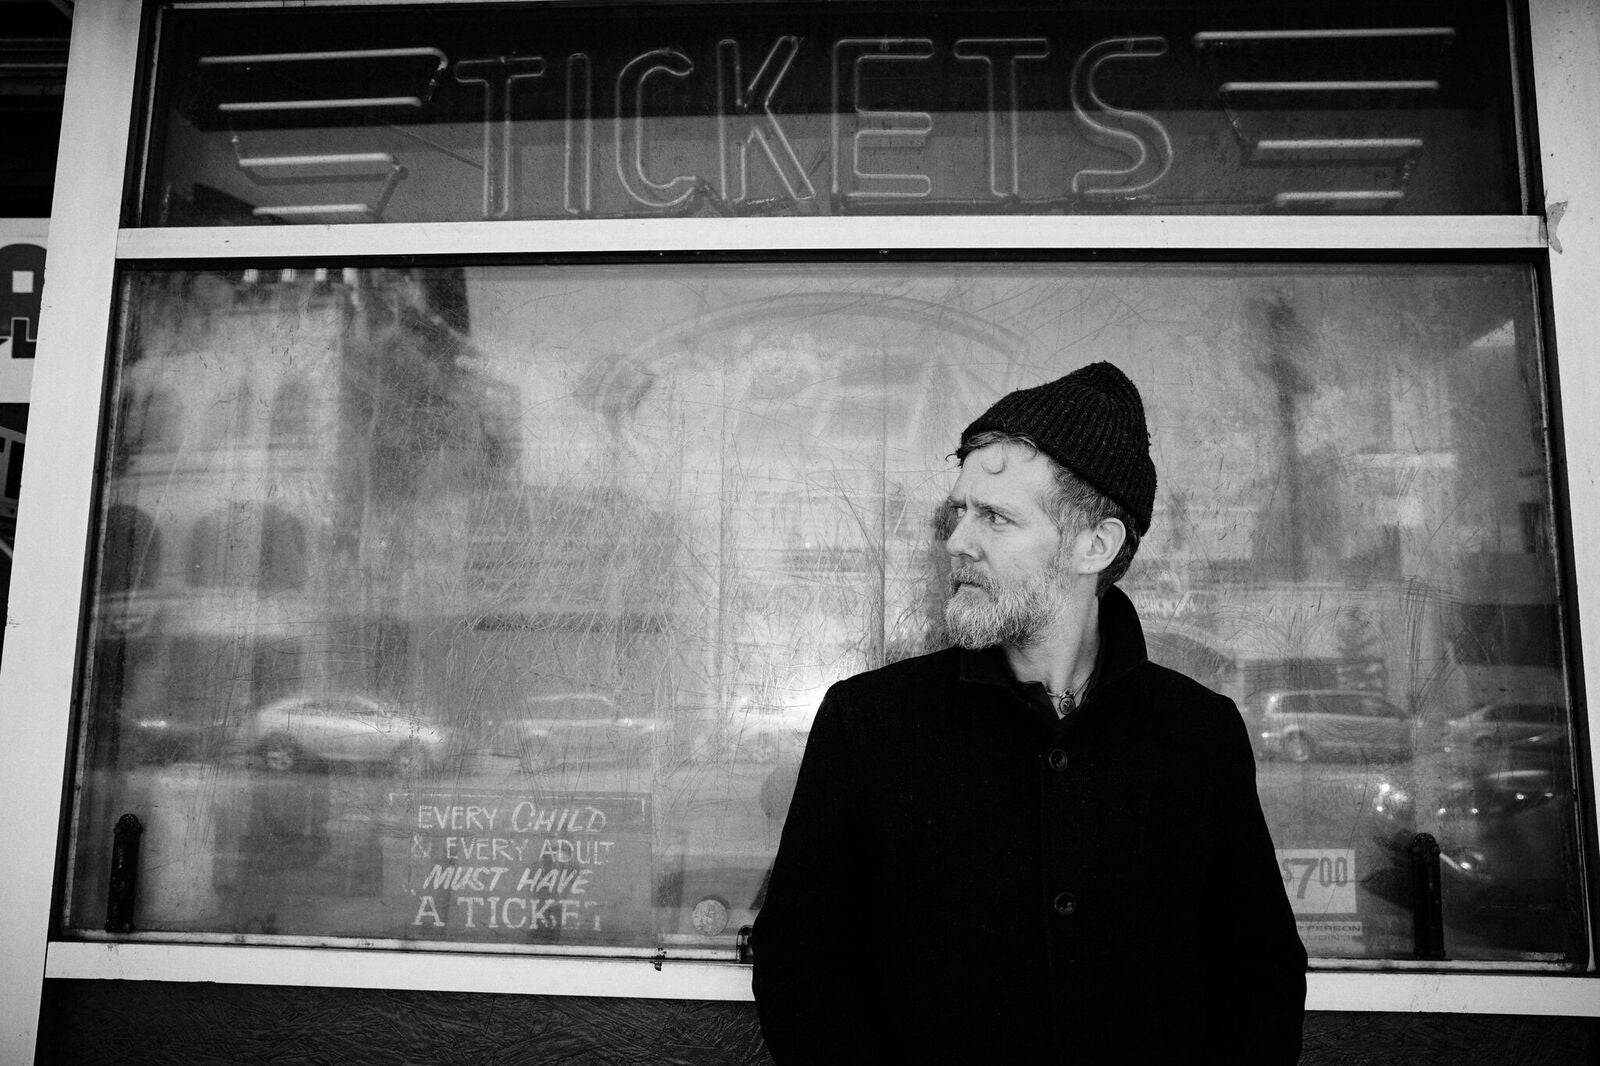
{"x":1004,"y":473}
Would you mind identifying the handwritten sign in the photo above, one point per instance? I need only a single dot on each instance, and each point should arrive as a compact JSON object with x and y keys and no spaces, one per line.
{"x":528,"y":867}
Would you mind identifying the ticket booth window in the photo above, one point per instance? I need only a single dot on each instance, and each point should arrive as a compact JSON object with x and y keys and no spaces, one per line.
{"x":579,"y":548}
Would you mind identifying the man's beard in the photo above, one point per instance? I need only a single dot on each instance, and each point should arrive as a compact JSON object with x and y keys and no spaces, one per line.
{"x":1011,"y":615}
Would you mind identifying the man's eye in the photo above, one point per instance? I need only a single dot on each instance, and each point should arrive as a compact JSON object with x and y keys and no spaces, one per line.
{"x":994,"y":518}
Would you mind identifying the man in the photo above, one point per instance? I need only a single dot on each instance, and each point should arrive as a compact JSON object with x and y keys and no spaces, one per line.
{"x":1036,"y":846}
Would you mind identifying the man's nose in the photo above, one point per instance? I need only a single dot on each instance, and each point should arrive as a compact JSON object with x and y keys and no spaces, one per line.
{"x":958,"y":540}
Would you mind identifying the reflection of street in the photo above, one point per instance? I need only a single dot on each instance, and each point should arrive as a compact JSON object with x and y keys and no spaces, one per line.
{"x":323,"y":850}
{"x":320,"y":850}
{"x":1329,"y":808}
{"x":1506,"y":908}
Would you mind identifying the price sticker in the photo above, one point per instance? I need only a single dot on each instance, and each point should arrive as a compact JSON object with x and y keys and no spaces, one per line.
{"x":1319,"y":881}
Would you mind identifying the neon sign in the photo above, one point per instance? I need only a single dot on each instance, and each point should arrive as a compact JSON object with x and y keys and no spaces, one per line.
{"x":722,"y":115}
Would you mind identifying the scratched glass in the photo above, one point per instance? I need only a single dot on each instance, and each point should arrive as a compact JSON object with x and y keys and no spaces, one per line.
{"x":541,"y":111}
{"x":490,"y":606}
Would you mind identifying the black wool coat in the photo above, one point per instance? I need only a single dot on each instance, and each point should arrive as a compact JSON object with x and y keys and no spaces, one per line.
{"x":964,"y":879}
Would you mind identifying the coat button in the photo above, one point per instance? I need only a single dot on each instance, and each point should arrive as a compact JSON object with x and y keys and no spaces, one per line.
{"x":1065,"y":904}
{"x":1057,"y":759}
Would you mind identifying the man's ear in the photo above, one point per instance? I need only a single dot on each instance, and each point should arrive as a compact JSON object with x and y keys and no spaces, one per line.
{"x":1098,"y":545}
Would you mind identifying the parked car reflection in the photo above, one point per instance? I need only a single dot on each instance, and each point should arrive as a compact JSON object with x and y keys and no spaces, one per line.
{"x":170,"y":736}
{"x":341,"y":728}
{"x":1498,"y":725}
{"x":575,"y":727}
{"x":1506,"y":838}
{"x":757,"y":727}
{"x":1307,"y":724}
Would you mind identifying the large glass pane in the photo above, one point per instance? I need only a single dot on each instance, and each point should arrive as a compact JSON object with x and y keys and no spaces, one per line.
{"x":404,"y":114}
{"x":491,"y":605}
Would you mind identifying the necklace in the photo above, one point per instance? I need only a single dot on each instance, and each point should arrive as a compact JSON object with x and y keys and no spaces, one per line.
{"x":1067,"y":701}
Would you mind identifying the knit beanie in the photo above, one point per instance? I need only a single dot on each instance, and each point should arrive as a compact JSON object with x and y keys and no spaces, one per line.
{"x":1092,"y":423}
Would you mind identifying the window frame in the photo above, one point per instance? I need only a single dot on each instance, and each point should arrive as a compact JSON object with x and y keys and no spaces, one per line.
{"x":39,"y":683}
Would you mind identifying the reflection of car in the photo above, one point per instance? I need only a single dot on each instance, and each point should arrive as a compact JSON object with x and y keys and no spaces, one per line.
{"x":170,"y":735}
{"x":756,"y":732}
{"x":1506,"y":837}
{"x":574,"y":727}
{"x":341,"y":728}
{"x":1498,"y":725}
{"x":1307,"y":724}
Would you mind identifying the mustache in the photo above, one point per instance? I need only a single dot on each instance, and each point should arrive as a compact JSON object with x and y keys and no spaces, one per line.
{"x":966,"y":575}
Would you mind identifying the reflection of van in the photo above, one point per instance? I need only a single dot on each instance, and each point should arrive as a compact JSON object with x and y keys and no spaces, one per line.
{"x":1312,"y":723}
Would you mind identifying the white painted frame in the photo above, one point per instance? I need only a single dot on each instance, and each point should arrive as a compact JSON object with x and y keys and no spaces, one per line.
{"x":38,"y":679}
{"x":1275,"y":233}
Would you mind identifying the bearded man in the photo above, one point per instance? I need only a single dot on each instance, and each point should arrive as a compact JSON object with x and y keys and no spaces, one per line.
{"x":1035,"y":846}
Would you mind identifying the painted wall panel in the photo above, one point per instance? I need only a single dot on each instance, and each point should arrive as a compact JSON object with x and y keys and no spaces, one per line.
{"x":128,"y":1023}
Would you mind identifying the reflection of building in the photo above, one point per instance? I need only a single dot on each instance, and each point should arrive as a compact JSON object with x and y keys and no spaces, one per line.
{"x":806,"y":421}
{"x":348,"y":514}
{"x":1397,"y":539}
{"x":286,"y":524}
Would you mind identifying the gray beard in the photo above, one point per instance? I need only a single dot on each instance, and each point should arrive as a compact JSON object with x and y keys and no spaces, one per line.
{"x":1013,"y":616}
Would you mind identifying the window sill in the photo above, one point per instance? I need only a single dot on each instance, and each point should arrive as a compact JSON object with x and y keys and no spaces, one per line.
{"x":1426,"y":992}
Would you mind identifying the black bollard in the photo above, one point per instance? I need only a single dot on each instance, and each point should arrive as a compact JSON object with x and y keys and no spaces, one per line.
{"x":124,"y":874}
{"x":1427,"y":898}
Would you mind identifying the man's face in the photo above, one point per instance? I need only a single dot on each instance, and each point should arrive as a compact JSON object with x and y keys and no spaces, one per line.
{"x":1007,"y":573}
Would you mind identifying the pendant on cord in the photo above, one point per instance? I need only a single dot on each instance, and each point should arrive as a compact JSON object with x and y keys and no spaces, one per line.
{"x":1066,"y":702}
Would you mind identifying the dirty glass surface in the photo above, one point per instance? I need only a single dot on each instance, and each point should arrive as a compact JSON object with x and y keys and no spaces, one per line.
{"x":413,"y":114}
{"x":491,"y":605}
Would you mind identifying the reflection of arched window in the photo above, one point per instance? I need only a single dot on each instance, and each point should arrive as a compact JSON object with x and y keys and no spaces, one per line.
{"x":204,"y":554}
{"x":151,"y":422}
{"x":283,"y":551}
{"x":132,"y":556}
{"x":291,"y":415}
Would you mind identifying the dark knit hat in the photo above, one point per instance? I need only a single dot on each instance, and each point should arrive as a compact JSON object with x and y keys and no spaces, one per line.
{"x":1092,"y":423}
